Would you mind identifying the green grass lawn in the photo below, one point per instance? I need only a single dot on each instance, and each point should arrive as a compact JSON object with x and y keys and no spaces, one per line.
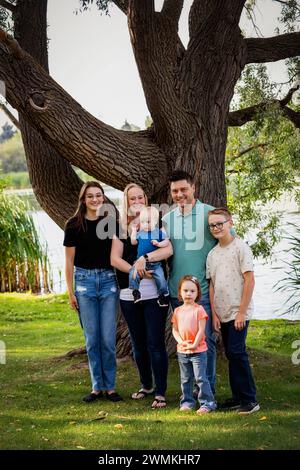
{"x":41,"y":405}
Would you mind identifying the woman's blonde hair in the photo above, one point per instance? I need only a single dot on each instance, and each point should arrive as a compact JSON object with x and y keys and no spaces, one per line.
{"x":126,"y":217}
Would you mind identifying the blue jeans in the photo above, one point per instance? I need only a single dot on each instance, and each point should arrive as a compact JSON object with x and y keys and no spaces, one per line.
{"x":240,"y":374}
{"x":158,"y":276}
{"x":146,"y":322}
{"x":193,"y":369}
{"x":210,"y":339}
{"x":97,"y":296}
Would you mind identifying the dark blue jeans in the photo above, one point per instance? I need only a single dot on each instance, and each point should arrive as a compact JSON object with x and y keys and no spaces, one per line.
{"x":158,"y":276}
{"x":210,"y":339}
{"x":146,"y":322}
{"x":240,"y":375}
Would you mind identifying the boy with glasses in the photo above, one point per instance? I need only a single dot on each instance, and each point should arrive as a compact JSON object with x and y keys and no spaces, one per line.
{"x":230,"y":271}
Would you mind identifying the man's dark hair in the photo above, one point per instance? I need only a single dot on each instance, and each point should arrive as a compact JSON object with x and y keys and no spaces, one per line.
{"x":179,"y":175}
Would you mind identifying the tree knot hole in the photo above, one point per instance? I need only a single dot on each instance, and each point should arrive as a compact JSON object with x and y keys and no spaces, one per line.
{"x":38,"y":102}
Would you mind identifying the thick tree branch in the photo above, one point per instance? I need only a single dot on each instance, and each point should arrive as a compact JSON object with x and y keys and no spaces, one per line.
{"x":45,"y":166}
{"x":203,"y":11}
{"x":7,"y":5}
{"x":115,"y":157}
{"x":216,"y":46}
{"x":272,"y":49}
{"x":10,"y":115}
{"x":240,"y":117}
{"x":172,"y":9}
{"x":292,"y":115}
{"x":158,"y":52}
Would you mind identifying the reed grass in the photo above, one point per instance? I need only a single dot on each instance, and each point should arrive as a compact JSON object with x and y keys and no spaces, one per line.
{"x":24,"y":264}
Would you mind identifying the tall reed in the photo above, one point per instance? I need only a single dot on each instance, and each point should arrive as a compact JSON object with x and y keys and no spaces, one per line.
{"x":24,"y":264}
{"x":291,"y":282}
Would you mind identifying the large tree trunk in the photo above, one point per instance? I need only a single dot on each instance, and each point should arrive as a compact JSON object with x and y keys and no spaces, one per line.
{"x":188,"y":92}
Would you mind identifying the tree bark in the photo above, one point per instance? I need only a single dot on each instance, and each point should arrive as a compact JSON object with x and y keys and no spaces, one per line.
{"x":279,"y":47}
{"x":240,"y":117}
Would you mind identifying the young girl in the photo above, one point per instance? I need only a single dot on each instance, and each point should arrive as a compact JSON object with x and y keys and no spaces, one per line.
{"x":189,"y":322}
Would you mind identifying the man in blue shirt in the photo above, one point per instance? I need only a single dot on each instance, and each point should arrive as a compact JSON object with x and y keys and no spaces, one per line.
{"x":187,"y":228}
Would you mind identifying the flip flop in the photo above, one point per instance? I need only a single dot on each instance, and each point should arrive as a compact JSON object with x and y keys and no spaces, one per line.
{"x":159,"y":403}
{"x":141,"y":394}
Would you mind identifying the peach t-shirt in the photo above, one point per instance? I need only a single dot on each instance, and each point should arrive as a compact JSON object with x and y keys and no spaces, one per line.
{"x":187,"y":326}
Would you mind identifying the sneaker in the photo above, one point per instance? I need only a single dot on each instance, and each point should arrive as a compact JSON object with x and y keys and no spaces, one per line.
{"x":248,"y":408}
{"x":92,"y":397}
{"x":114,"y":396}
{"x":203,"y":410}
{"x":163,"y":300}
{"x":136,"y":296}
{"x":230,"y":404}
{"x":185,"y":408}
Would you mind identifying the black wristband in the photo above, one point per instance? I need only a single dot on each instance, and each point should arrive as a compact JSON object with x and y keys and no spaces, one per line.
{"x":146,"y":257}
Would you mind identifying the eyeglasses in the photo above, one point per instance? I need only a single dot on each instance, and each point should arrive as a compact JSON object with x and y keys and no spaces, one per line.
{"x":218,"y":225}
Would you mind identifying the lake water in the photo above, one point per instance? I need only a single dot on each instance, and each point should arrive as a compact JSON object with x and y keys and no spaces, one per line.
{"x":269,"y":303}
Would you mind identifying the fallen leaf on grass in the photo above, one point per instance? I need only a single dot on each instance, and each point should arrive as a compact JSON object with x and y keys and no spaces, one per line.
{"x":118,"y":426}
{"x":263,"y":418}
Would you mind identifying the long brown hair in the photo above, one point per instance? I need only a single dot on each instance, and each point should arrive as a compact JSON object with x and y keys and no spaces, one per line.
{"x":78,"y":219}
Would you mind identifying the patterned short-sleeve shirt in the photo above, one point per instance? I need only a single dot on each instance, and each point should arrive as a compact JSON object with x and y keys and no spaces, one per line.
{"x":225,"y":267}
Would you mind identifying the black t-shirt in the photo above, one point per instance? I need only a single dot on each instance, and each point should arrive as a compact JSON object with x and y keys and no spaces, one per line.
{"x":129,"y":255}
{"x":93,"y":245}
